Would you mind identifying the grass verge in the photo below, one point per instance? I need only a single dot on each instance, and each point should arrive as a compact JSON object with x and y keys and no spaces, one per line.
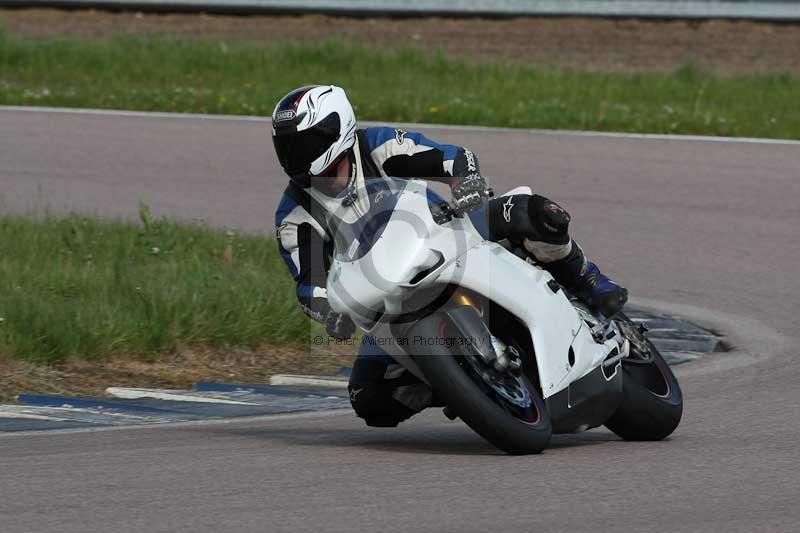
{"x":86,"y":304}
{"x":402,"y":84}
{"x":77,"y":287}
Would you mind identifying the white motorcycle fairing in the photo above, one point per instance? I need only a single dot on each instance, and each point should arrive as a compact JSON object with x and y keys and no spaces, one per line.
{"x":411,"y":252}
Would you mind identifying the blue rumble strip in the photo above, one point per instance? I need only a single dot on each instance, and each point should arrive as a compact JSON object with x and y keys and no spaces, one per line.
{"x":89,"y":403}
{"x":207,"y":400}
{"x":679,"y":342}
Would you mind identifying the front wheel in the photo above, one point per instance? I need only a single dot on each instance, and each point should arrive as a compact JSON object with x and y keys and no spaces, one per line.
{"x":652,"y":403}
{"x":510,"y":414}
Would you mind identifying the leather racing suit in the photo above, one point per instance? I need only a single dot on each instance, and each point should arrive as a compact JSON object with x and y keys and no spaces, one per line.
{"x":381,"y":391}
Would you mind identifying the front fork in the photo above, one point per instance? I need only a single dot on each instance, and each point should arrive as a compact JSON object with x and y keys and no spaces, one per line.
{"x":501,"y":357}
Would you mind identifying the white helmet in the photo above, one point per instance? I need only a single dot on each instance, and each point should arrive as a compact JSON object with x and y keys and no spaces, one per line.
{"x":312,"y":128}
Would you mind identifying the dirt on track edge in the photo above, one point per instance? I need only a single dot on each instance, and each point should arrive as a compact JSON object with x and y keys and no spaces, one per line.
{"x":177,"y":370}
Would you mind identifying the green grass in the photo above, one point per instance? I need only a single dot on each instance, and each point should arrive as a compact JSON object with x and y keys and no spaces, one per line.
{"x":402,"y":84}
{"x":88,"y":288}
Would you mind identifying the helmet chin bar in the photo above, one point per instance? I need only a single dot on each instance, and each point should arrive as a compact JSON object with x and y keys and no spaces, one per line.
{"x":328,"y":176}
{"x":303,"y":181}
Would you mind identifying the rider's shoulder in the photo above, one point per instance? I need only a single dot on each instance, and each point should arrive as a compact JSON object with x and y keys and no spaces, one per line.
{"x":376,"y":136}
{"x":285,"y":207}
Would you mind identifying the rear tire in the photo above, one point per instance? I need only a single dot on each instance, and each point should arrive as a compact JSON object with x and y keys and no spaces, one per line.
{"x":652,"y":403}
{"x":449,"y":375}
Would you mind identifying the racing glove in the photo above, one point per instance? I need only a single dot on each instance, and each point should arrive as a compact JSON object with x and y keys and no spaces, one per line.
{"x":470,"y":192}
{"x":339,"y":326}
{"x":336,"y":325}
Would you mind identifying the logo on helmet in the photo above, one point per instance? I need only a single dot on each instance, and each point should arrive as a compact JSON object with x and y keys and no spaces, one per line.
{"x":282,"y":116}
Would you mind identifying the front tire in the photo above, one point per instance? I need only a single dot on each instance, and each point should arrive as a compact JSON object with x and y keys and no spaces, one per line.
{"x":453,"y":382}
{"x":652,"y":403}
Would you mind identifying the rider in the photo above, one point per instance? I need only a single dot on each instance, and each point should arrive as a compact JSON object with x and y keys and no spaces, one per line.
{"x":327,"y":160}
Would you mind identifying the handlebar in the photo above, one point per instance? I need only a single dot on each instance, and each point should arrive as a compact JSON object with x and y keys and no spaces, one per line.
{"x":446,"y":211}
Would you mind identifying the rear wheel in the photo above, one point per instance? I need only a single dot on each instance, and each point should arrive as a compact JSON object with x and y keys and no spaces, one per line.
{"x":503,"y":408}
{"x":652,"y":403}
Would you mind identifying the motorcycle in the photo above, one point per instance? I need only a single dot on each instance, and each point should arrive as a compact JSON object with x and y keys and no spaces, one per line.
{"x":501,"y":344}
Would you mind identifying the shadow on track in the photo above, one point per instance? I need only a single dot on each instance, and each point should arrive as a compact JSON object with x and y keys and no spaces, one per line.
{"x":441,"y":441}
{"x":426,"y":440}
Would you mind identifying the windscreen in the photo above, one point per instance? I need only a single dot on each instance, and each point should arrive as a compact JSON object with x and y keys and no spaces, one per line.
{"x":353,"y":241}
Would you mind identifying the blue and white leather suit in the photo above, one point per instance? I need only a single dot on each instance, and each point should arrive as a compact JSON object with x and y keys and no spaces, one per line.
{"x":381,"y":391}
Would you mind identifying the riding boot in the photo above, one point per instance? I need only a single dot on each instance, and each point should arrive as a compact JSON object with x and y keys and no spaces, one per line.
{"x":584,"y":280}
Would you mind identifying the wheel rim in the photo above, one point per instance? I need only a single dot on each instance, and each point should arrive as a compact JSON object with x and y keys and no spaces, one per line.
{"x":507,"y":390}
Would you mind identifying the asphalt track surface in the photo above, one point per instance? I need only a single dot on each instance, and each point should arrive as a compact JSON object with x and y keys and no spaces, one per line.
{"x":704,"y":229}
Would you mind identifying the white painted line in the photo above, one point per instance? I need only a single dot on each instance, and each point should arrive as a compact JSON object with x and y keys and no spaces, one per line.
{"x":100,"y":414}
{"x":609,"y":134}
{"x":487,"y":129}
{"x":10,"y":411}
{"x":169,"y":395}
{"x":256,"y":419}
{"x":84,"y":415}
{"x":138,"y":114}
{"x":333,"y":382}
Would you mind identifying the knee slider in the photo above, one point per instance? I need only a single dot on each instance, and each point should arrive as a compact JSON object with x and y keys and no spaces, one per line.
{"x":374,"y":403}
{"x":364,"y":398}
{"x":549,"y":220}
{"x":508,"y":218}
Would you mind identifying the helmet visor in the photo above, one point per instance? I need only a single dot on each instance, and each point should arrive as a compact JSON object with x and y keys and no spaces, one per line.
{"x":296,"y":150}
